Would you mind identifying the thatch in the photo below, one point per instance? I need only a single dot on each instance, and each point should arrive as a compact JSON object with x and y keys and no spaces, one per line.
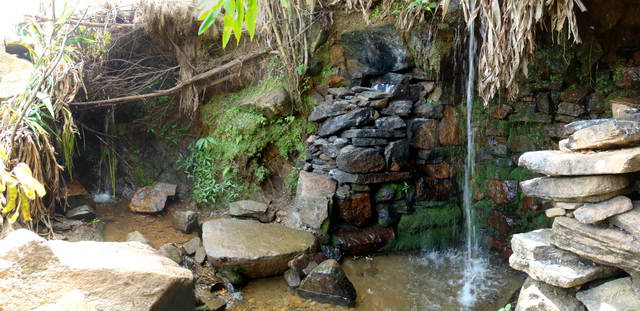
{"x":508,"y":37}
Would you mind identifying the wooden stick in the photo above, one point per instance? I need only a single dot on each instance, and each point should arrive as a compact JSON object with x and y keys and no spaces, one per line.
{"x":176,"y":88}
{"x":87,"y":24}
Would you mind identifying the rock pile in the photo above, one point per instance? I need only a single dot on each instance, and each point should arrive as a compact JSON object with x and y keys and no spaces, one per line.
{"x":595,"y":230}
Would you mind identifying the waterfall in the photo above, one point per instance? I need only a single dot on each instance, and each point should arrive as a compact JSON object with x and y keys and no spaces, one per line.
{"x":476,"y":266}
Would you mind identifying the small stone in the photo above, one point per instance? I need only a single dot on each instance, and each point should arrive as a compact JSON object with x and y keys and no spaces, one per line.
{"x":339,"y":91}
{"x":171,"y":251}
{"x":502,"y":191}
{"x":209,"y":299}
{"x":501,"y":111}
{"x":611,"y":134}
{"x":332,"y":252}
{"x":371,"y":95}
{"x":567,"y":205}
{"x":570,"y":109}
{"x":400,"y":108}
{"x":136,"y":236}
{"x":397,"y":155}
{"x":293,"y":278}
{"x":384,"y":217}
{"x":573,"y":127}
{"x":328,"y":283}
{"x":367,"y":133}
{"x":425,"y":134}
{"x":251,"y":209}
{"x":185,"y":220}
{"x":360,"y":160}
{"x":192,"y":246}
{"x":449,"y":128}
{"x":428,"y":110}
{"x":310,"y":267}
{"x":368,"y":142}
{"x":83,"y":212}
{"x":367,"y":179}
{"x":390,"y":123}
{"x":353,"y":118}
{"x":440,"y":170}
{"x":629,"y":221}
{"x":574,"y":94}
{"x":590,"y":213}
{"x":555,"y":212}
{"x":151,"y":199}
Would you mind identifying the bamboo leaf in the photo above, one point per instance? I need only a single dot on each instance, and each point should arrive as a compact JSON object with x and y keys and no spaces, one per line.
{"x":227,"y":30}
{"x":251,"y":17}
{"x":211,"y":18}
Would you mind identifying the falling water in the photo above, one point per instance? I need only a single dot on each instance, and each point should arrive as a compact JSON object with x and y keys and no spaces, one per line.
{"x":476,"y":267}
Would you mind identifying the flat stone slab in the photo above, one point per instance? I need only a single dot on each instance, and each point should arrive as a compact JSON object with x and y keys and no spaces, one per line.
{"x":536,"y":295}
{"x":314,"y":197}
{"x":591,"y":213}
{"x":558,"y":163}
{"x":607,"y":135}
{"x":616,"y":295}
{"x":602,"y":244}
{"x":251,"y":209}
{"x":366,"y":179}
{"x":254,"y":248}
{"x":629,"y":221}
{"x":576,"y":189}
{"x":534,"y":254}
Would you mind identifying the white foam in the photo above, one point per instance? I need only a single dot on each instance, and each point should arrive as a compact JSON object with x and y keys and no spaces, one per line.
{"x":102,"y":197}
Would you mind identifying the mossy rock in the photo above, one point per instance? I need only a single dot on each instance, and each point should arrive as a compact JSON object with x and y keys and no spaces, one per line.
{"x":441,"y":237}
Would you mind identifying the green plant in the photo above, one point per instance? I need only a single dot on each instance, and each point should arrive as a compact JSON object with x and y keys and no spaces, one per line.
{"x":505,"y":308}
{"x":427,"y":5}
{"x":236,"y":14}
{"x":95,"y":221}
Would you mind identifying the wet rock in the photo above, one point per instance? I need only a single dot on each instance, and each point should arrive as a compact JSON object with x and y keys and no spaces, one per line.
{"x":384,"y":217}
{"x":192,"y":246}
{"x":368,"y":142}
{"x":258,"y":249}
{"x":573,"y":127}
{"x":324,"y":111}
{"x":211,"y":301}
{"x":557,"y":163}
{"x":501,"y":111}
{"x":103,"y":273}
{"x":367,"y":133}
{"x":374,"y":51}
{"x":428,"y":110}
{"x":497,"y":145}
{"x":576,"y":189}
{"x":136,"y":236}
{"x":590,"y":213}
{"x":15,"y":75}
{"x":339,"y":91}
{"x":332,"y":252}
{"x":171,"y":251}
{"x":440,"y":170}
{"x":424,"y":133}
{"x":200,"y":255}
{"x":400,"y":108}
{"x":251,"y":209}
{"x":543,"y":103}
{"x":184,"y":220}
{"x":356,"y":210}
{"x":616,"y":295}
{"x":274,"y":104}
{"x":608,"y":246}
{"x":302,"y":261}
{"x":86,"y":232}
{"x":397,"y":156}
{"x":534,"y":254}
{"x":327,"y":283}
{"x":362,"y":241}
{"x":502,"y":191}
{"x":570,"y":109}
{"x":574,"y":94}
{"x":64,"y":225}
{"x":624,"y":107}
{"x":435,"y":95}
{"x":83,"y":212}
{"x":614,"y":133}
{"x":292,"y":278}
{"x":151,"y":199}
{"x":536,"y":295}
{"x":366,"y":179}
{"x":360,"y":160}
{"x":629,"y":221}
{"x":628,"y":77}
{"x":596,"y":103}
{"x":231,"y":276}
{"x":449,"y":128}
{"x":390,"y":123}
{"x":314,"y":198}
{"x":386,"y":193}
{"x":352,"y":118}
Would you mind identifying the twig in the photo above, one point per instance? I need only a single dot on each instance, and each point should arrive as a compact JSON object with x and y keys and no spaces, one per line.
{"x":176,"y":88}
{"x":81,"y":23}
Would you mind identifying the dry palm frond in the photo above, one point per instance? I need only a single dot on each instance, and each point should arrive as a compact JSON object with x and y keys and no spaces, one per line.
{"x":508,"y":37}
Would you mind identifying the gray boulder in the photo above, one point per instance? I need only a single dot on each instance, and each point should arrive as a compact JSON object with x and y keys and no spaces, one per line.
{"x":350,"y":119}
{"x":558,"y":163}
{"x":314,"y":198}
{"x":251,"y":209}
{"x":616,"y":295}
{"x":360,"y":160}
{"x":590,"y":213}
{"x":576,"y":189}
{"x":185,"y":220}
{"x":536,"y":295}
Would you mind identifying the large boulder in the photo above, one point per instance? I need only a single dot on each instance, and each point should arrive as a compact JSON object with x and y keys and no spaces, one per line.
{"x":590,"y":213}
{"x":558,"y":163}
{"x":534,"y":254}
{"x":540,"y":296}
{"x":328,"y":283}
{"x":608,"y":246}
{"x":360,"y":160}
{"x":15,"y":74}
{"x":374,"y":51}
{"x":576,"y":189}
{"x":607,"y":135}
{"x":111,"y":276}
{"x":616,"y":295}
{"x":273,"y":104}
{"x":151,"y":199}
{"x":254,"y":248}
{"x":314,"y":198}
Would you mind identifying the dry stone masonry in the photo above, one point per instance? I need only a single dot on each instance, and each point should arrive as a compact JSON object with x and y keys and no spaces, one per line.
{"x":594,"y":236}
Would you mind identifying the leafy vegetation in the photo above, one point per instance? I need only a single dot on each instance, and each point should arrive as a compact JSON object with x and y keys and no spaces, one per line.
{"x":236,"y":14}
{"x":17,"y":188}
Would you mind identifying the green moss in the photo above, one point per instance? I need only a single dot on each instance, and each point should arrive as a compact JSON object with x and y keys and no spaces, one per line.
{"x":433,"y":225}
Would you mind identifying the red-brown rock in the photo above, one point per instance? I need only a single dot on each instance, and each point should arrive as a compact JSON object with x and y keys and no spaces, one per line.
{"x":437,"y":171}
{"x":501,"y":111}
{"x":440,"y":189}
{"x":357,"y":209}
{"x":426,"y":135}
{"x":502,"y":191}
{"x":498,"y":222}
{"x":449,"y":128}
{"x":300,"y":262}
{"x":365,"y":240}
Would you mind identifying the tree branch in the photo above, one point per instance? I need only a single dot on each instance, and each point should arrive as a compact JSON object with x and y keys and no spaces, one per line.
{"x":178,"y":87}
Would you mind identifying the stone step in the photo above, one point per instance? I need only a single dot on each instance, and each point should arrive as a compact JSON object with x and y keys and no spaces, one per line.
{"x":576,"y":189}
{"x":590,"y":213}
{"x":534,"y":254}
{"x":558,"y":163}
{"x":256,"y":249}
